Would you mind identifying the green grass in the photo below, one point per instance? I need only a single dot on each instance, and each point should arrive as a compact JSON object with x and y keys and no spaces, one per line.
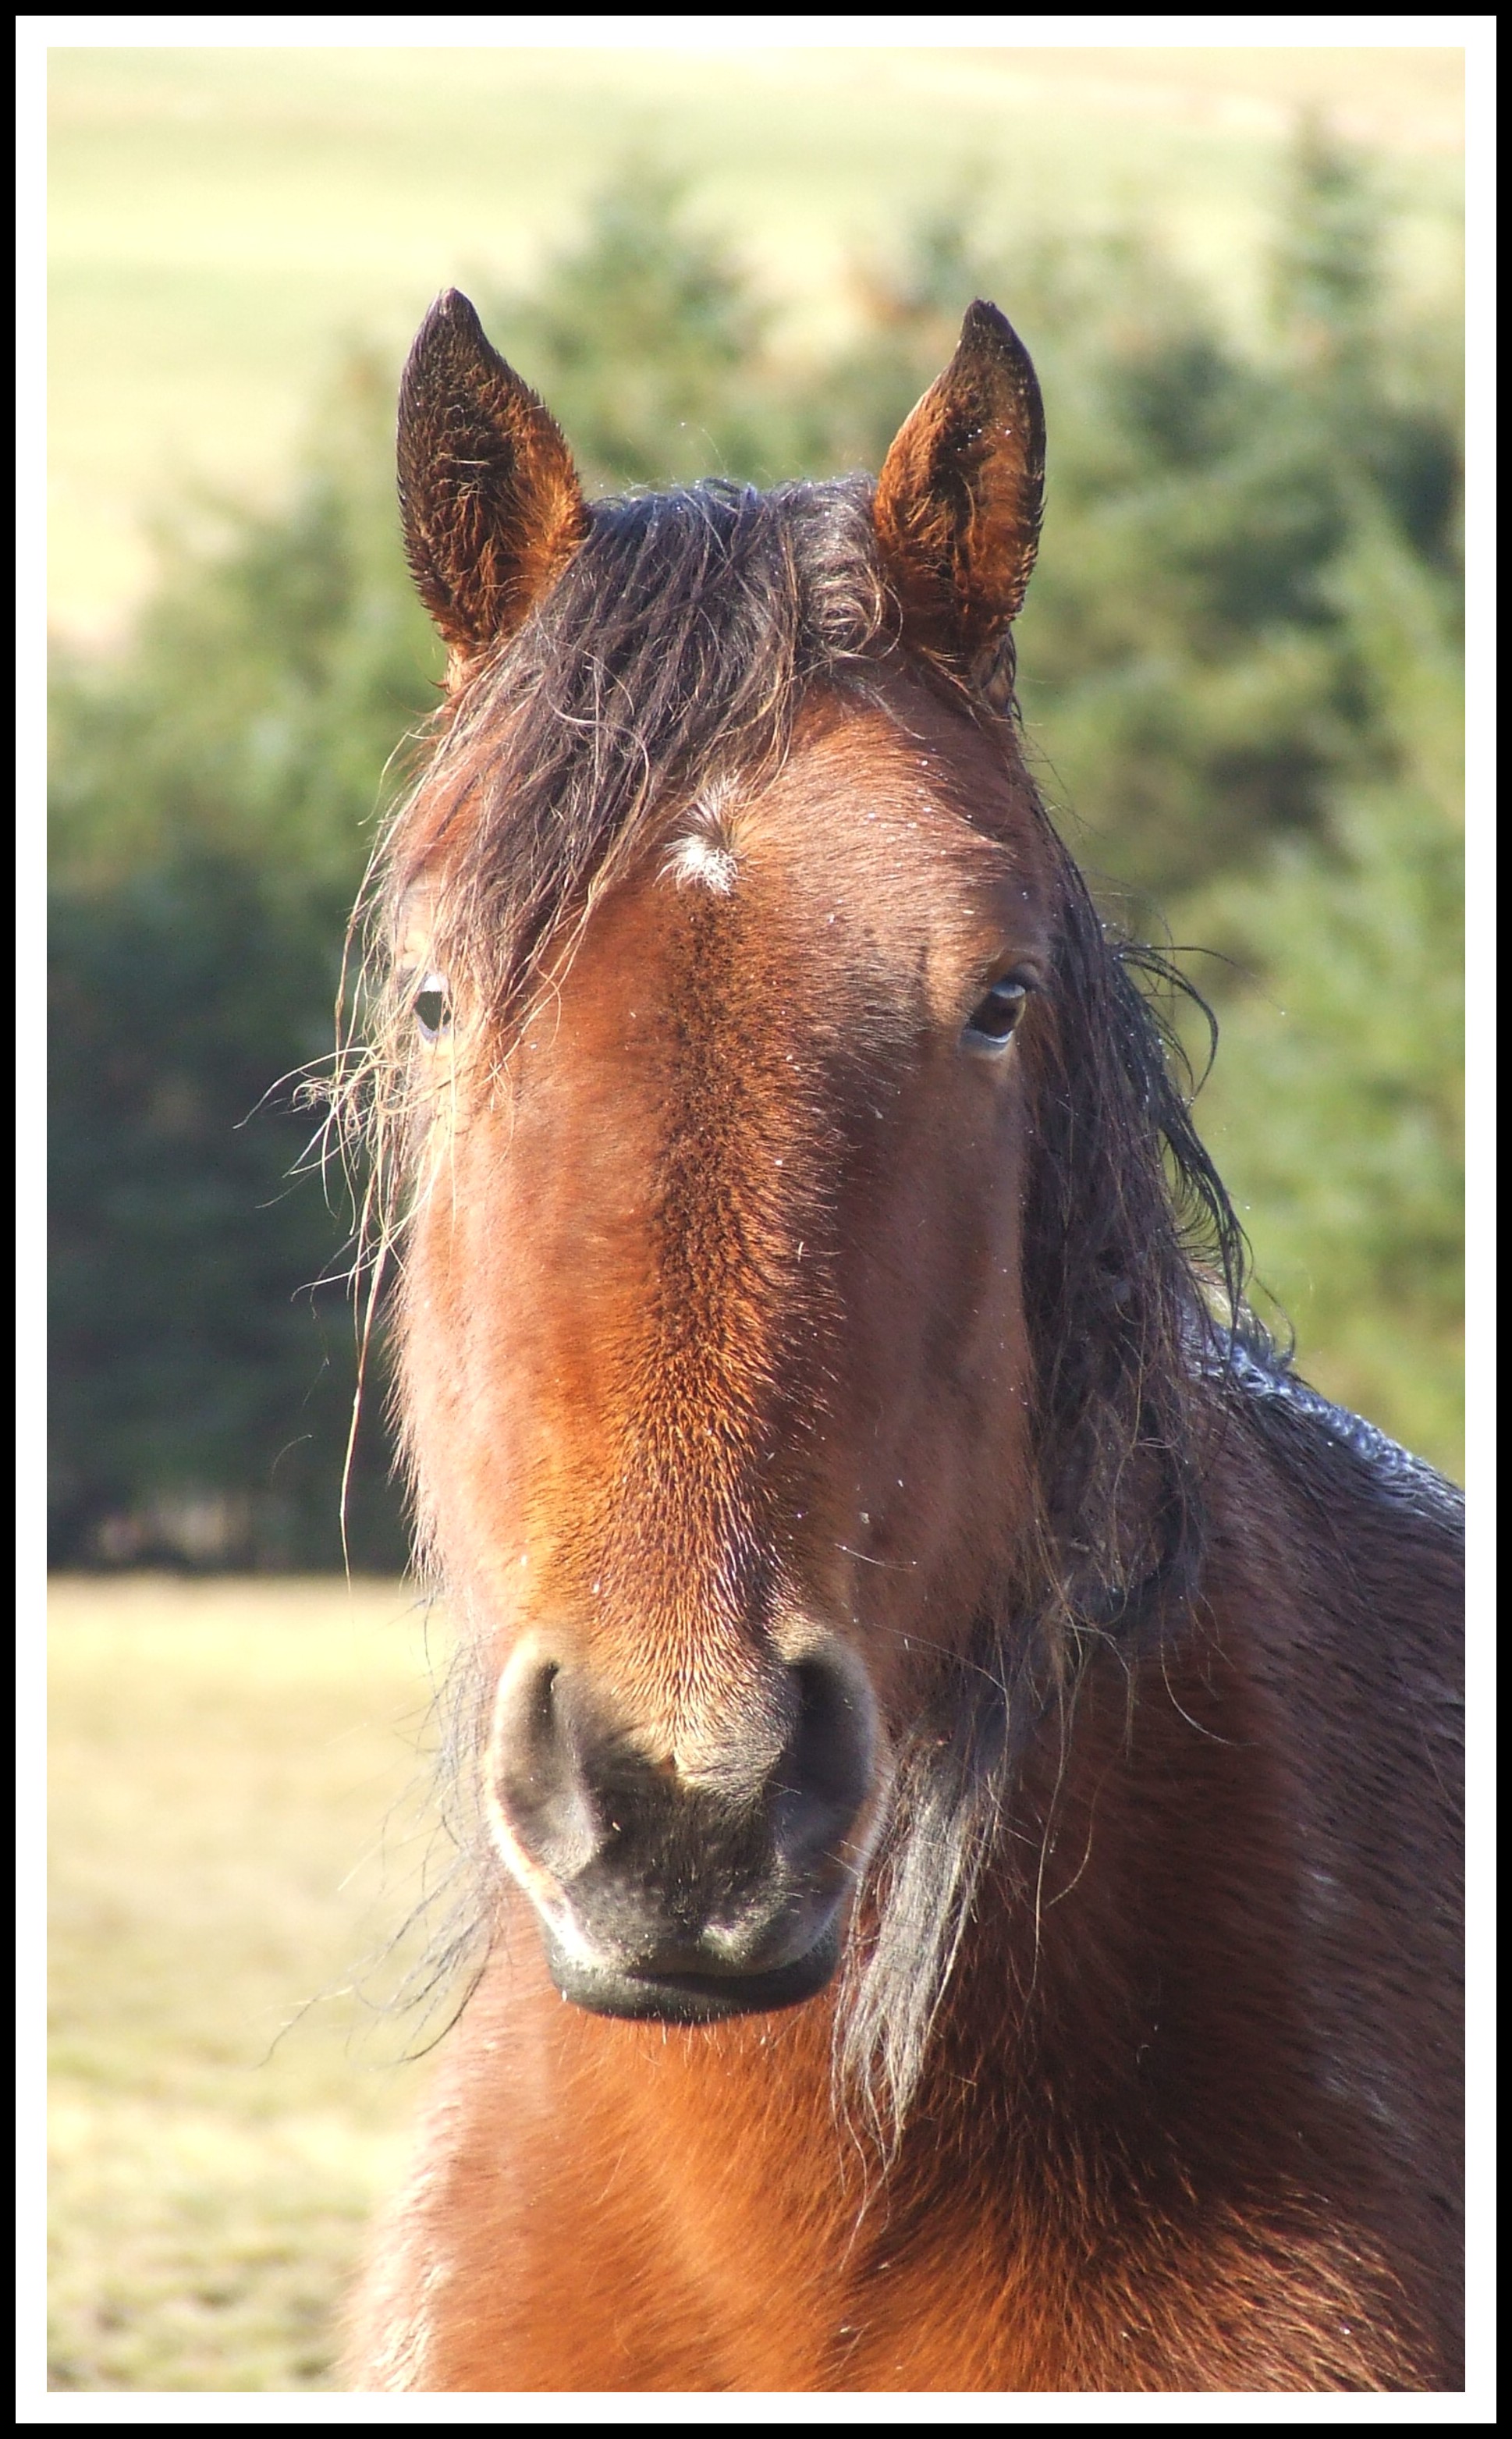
{"x":220,"y":218}
{"x":224,"y":1759}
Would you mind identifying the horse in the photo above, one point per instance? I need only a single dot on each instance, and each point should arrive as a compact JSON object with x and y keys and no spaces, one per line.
{"x":956,"y":1743}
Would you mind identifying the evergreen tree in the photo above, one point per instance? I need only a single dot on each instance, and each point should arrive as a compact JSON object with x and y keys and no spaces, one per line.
{"x":1336,"y":1106}
{"x":210,"y":813}
{"x":647,"y":339}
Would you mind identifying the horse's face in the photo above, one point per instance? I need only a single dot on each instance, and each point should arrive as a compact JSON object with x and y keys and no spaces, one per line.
{"x":715,"y":1361}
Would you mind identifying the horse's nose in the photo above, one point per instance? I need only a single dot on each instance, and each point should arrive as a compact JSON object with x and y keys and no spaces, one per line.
{"x":650,"y":1877}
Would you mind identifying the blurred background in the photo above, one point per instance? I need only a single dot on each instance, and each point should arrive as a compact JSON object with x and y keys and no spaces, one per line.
{"x":1239,"y":272}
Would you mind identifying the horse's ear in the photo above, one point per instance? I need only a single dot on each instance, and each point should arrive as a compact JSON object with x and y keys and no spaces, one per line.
{"x":489,"y":497}
{"x":959,"y":500}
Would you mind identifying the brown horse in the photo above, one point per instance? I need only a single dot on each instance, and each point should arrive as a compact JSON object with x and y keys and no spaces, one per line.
{"x":974,"y":1734}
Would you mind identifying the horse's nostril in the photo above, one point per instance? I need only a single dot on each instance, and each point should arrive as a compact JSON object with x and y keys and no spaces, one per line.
{"x":539,"y":1778}
{"x":824,"y":1774}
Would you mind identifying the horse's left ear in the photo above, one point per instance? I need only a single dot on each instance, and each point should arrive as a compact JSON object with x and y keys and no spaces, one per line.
{"x":959,"y":500}
{"x":489,"y":497}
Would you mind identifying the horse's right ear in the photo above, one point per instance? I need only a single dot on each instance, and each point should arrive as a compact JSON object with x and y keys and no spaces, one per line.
{"x":489,"y":497}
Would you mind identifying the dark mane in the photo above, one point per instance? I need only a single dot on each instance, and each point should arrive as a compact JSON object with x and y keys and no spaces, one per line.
{"x":1133,"y":1273}
{"x":683,"y":640}
{"x":1344,"y":1451}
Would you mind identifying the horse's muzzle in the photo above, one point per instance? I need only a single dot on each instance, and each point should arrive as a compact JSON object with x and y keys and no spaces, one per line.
{"x":676,"y":1896}
{"x":673,"y":1998}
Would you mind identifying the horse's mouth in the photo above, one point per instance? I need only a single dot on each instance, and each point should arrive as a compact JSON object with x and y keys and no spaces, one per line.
{"x":666,"y":1997}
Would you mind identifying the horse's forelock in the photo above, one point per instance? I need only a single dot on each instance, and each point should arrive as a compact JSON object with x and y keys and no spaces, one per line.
{"x":681,"y":641}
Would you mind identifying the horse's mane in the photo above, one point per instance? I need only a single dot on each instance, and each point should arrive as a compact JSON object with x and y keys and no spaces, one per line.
{"x":683,"y":640}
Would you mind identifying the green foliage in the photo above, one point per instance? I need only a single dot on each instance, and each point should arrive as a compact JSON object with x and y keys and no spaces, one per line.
{"x":211,"y":813}
{"x":1337,"y":1108}
{"x":1239,"y":663}
{"x":649,"y":343}
{"x":1189,"y":663}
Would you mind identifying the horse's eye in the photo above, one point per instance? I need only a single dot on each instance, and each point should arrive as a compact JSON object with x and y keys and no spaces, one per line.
{"x":433,"y":1008}
{"x":992,"y":1019}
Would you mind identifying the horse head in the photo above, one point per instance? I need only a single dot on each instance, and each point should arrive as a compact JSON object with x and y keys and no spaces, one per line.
{"x":726,"y":929}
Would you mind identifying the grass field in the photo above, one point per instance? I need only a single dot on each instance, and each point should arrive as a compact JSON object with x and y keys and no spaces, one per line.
{"x":218,"y":218}
{"x":224,"y":1759}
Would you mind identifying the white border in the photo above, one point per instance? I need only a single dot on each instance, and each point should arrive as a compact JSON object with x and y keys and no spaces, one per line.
{"x":694,"y":35}
{"x":35,"y":35}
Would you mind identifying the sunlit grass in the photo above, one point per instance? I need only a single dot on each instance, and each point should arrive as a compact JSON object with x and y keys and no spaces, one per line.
{"x":225,"y":2107}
